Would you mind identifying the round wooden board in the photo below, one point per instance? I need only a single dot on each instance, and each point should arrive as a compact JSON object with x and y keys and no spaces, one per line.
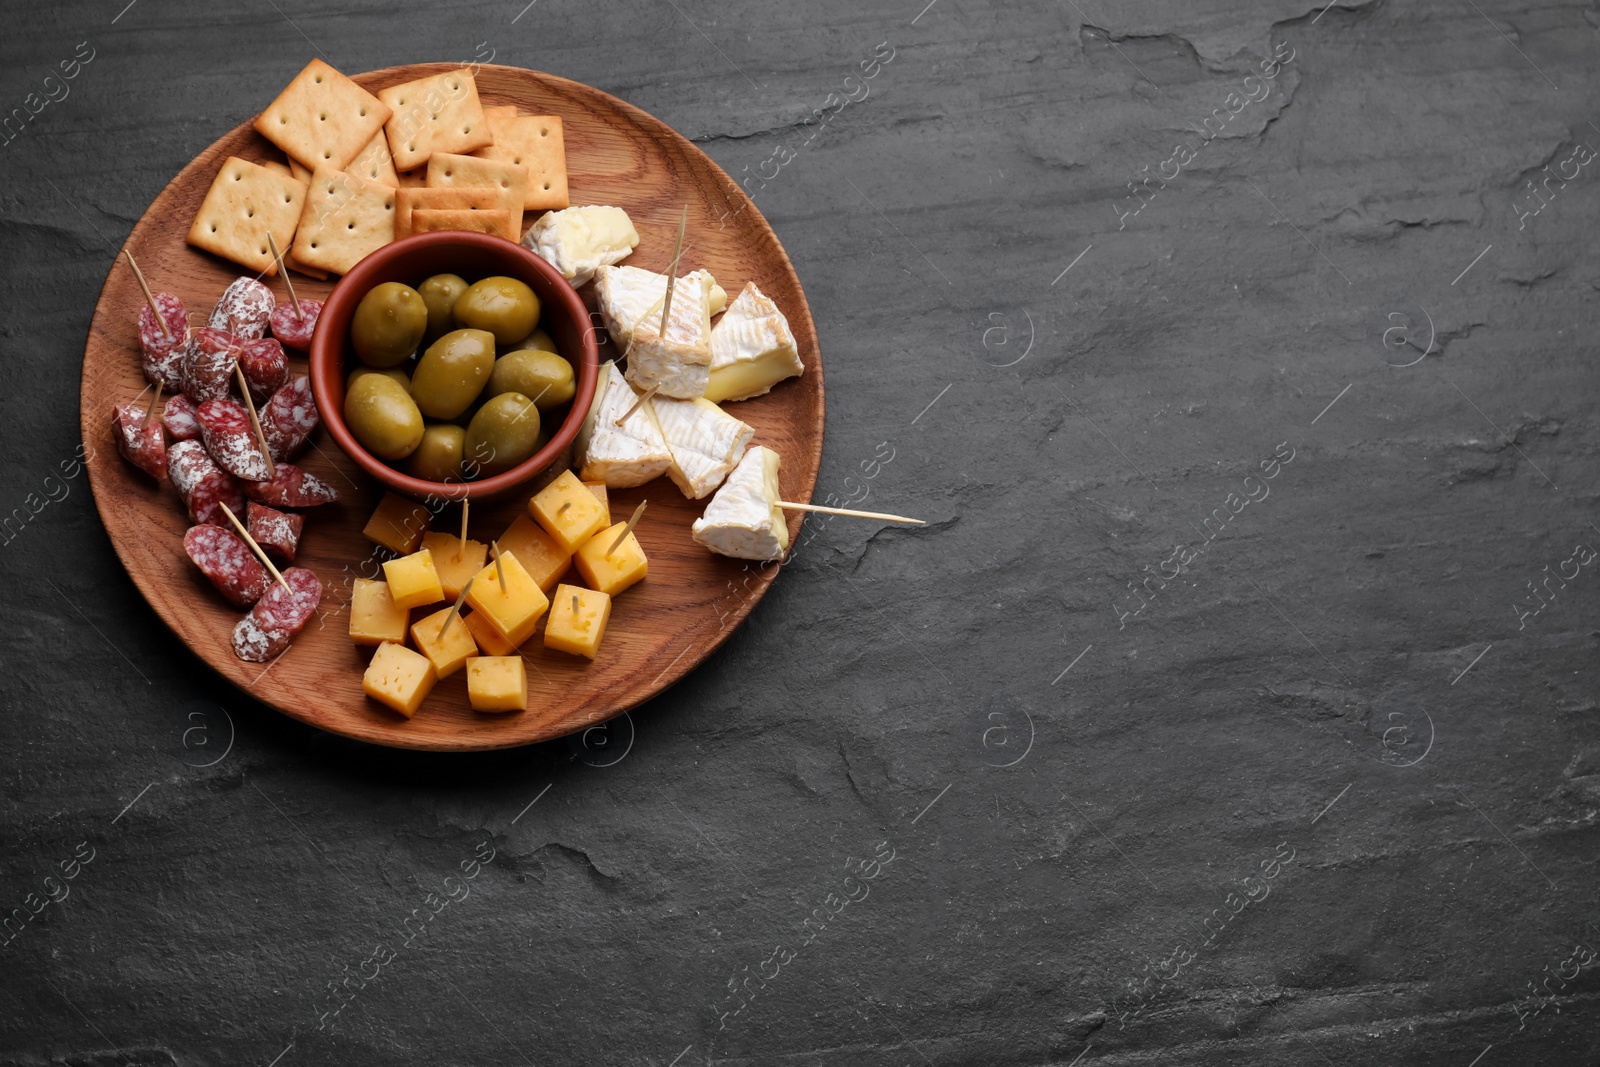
{"x":660,"y":629}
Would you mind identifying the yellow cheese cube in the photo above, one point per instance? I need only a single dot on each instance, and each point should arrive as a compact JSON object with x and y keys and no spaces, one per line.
{"x":599,"y":491}
{"x":515,"y":612}
{"x":497,"y":683}
{"x":398,"y":524}
{"x":611,"y":572}
{"x":537,"y":551}
{"x":374,"y":616}
{"x":446,"y":651}
{"x":577,"y":620}
{"x":399,"y":678}
{"x":487,"y":637}
{"x":413,"y":581}
{"x":568,"y":512}
{"x":454,"y":561}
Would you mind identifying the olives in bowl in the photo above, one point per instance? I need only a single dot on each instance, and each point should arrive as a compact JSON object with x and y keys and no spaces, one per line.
{"x":450,"y":364}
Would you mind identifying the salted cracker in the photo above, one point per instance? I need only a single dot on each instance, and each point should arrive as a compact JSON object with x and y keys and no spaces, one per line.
{"x":345,"y":217}
{"x":374,"y":162}
{"x":537,"y":144}
{"x":497,"y":221}
{"x":246,"y":202}
{"x":437,"y":114}
{"x":322,"y":118}
{"x":464,"y":198}
{"x":448,"y":170}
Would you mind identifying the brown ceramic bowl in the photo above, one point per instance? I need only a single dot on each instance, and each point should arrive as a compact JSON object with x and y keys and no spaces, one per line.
{"x":473,"y":256}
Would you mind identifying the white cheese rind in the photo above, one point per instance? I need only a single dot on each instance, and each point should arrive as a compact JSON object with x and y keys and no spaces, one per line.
{"x":743,"y":520}
{"x":752,"y":349}
{"x":678,"y":361}
{"x":706,"y":443}
{"x":620,"y":456}
{"x":577,"y":241}
{"x":626,"y":294}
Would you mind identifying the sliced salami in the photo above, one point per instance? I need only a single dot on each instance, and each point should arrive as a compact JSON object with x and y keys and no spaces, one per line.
{"x":266,"y":367}
{"x":178,"y":418}
{"x":295,"y":330}
{"x":230,"y":439}
{"x":277,"y":616}
{"x":276,"y":531}
{"x":244,"y":308}
{"x":223,"y":557}
{"x":208,"y":369}
{"x":163,"y":353}
{"x":291,"y":487}
{"x":204,"y":486}
{"x":140,"y":442}
{"x":288,"y":418}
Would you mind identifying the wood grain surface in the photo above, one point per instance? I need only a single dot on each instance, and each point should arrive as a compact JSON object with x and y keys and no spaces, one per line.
{"x":660,"y":629}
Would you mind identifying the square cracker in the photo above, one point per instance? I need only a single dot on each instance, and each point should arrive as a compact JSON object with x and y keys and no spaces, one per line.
{"x":413,"y":179}
{"x":345,"y":217}
{"x":537,"y":143}
{"x":244,"y":203}
{"x":322,"y":118}
{"x":374,"y":163}
{"x":497,"y":221}
{"x":463,"y":198}
{"x":437,"y":114}
{"x":447,"y":170}
{"x":277,"y":167}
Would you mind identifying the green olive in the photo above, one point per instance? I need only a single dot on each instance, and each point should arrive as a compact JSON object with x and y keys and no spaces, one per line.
{"x":534,"y":372}
{"x":440,"y":293}
{"x":383,"y":417}
{"x":438,"y":457}
{"x":388,"y":324}
{"x":537,"y":339}
{"x":397,"y":373}
{"x":504,"y":306}
{"x":504,"y":432}
{"x":452,"y":372}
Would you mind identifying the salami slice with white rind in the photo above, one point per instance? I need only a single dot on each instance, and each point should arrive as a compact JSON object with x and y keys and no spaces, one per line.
{"x":295,"y":330}
{"x":277,"y":616}
{"x":289,"y":418}
{"x":244,"y":308}
{"x":163,"y":354}
{"x":230,"y":439}
{"x":223,"y":557}
{"x":291,"y":487}
{"x":204,"y":486}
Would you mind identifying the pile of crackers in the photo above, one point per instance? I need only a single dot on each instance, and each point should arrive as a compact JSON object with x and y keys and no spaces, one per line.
{"x":364,"y":170}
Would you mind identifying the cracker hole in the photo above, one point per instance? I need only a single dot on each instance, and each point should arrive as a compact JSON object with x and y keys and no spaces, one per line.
{"x":236,"y":177}
{"x":283,"y":120}
{"x":313,"y":244}
{"x":317,"y":79}
{"x":322,"y":117}
{"x":547,"y":185}
{"x":349,"y":225}
{"x":213,"y":228}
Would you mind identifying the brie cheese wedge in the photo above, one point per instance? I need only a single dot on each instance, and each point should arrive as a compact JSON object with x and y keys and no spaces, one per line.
{"x":752,"y":349}
{"x":620,"y":456}
{"x":625,"y":294}
{"x":677,"y":361}
{"x":743,"y":520}
{"x":706,"y":442}
{"x":577,"y":241}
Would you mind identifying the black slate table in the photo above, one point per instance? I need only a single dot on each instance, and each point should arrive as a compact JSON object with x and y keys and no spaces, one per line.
{"x":1236,"y":706}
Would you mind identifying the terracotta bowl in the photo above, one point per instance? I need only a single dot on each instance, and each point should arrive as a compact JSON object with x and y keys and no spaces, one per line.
{"x":473,"y":256}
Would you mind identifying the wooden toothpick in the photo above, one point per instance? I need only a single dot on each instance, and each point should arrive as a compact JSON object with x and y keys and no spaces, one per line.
{"x":574,"y":603}
{"x":499,"y":568}
{"x":628,"y":529}
{"x":457,"y":609}
{"x":151,"y":410}
{"x":294,"y":301}
{"x":672,"y":271}
{"x":847,"y":511}
{"x":255,"y":421}
{"x":461,"y":546}
{"x":260,"y":552}
{"x":155,"y":309}
{"x":637,"y":404}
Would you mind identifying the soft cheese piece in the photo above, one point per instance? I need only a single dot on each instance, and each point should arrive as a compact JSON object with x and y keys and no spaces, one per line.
{"x":620,"y":456}
{"x":743,"y":520}
{"x":626,"y":294}
{"x":752,"y":348}
{"x":676,"y":361}
{"x":706,"y":443}
{"x":579,"y":240}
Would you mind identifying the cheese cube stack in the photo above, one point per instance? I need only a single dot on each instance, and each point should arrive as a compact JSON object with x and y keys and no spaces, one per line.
{"x":705,"y":441}
{"x":413,"y":580}
{"x":374,"y":616}
{"x":399,"y":678}
{"x":455,"y":562}
{"x":610,"y":572}
{"x":514,"y":613}
{"x":569,"y":513}
{"x":676,"y":360}
{"x":398,"y":524}
{"x":497,"y":683}
{"x":752,"y":349}
{"x":447,"y":651}
{"x":620,"y":456}
{"x":577,"y":241}
{"x":743,"y":520}
{"x":536,"y":550}
{"x":626,"y":294}
{"x":577,"y":620}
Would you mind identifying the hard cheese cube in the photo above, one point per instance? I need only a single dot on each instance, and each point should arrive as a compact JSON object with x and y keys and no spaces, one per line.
{"x":374,"y":616}
{"x":599,"y":491}
{"x":497,"y":683}
{"x":515,"y":612}
{"x":447,"y":651}
{"x":537,"y":551}
{"x":398,"y":524}
{"x":399,"y":678}
{"x":454,"y":561}
{"x":611,"y":572}
{"x":577,"y":621}
{"x":488,"y":637}
{"x":413,"y":580}
{"x":568,"y":512}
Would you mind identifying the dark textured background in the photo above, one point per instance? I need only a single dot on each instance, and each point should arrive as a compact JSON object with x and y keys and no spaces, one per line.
{"x":1081,"y":425}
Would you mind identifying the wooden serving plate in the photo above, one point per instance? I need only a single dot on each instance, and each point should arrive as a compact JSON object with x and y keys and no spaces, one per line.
{"x":660,"y":629}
